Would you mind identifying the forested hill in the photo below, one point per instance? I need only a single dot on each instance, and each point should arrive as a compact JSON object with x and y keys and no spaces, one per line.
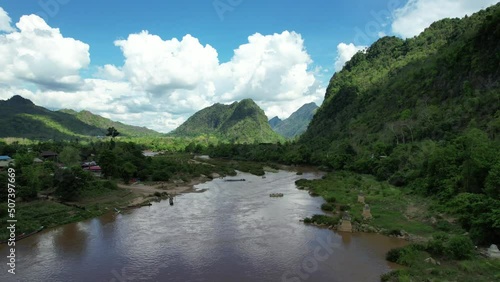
{"x":240,"y":122}
{"x":297,"y":123}
{"x":423,"y":112}
{"x":104,"y":123}
{"x":21,"y":118}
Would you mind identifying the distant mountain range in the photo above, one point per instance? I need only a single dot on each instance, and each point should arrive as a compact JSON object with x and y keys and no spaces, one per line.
{"x":20,"y":117}
{"x":296,"y":124}
{"x":240,"y":122}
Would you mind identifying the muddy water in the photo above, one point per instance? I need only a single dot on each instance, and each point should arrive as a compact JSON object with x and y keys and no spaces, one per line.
{"x":231,"y":232}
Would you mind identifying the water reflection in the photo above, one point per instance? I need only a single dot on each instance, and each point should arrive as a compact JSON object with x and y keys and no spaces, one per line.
{"x":71,"y":240}
{"x":231,"y":232}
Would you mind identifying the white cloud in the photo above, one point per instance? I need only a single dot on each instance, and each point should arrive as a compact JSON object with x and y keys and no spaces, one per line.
{"x":162,"y":82}
{"x":158,"y":66}
{"x":345,"y":53}
{"x":185,"y":76}
{"x":5,"y":21}
{"x":411,"y":19}
{"x":40,"y":55}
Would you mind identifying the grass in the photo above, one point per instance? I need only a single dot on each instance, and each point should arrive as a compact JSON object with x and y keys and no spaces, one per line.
{"x":476,"y":269}
{"x":31,"y":215}
{"x":393,"y":211}
{"x":391,"y":207}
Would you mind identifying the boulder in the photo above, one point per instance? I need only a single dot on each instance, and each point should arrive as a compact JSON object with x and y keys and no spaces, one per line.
{"x":493,"y":252}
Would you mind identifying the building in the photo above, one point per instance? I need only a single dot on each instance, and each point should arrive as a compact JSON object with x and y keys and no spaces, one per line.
{"x":5,"y":162}
{"x":48,"y":155}
{"x":95,"y":170}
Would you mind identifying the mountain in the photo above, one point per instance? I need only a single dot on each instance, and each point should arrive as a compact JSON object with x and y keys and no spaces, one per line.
{"x":104,"y":123}
{"x":297,"y":123}
{"x":433,"y":86}
{"x":274,"y":122}
{"x":240,"y":122}
{"x":423,"y":114}
{"x":21,"y":118}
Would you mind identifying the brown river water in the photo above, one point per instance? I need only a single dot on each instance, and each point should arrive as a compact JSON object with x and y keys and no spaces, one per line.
{"x":231,"y":232}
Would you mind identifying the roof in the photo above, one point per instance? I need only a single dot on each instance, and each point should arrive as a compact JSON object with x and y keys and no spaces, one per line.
{"x":48,"y":154}
{"x":5,"y":158}
{"x":95,"y":168}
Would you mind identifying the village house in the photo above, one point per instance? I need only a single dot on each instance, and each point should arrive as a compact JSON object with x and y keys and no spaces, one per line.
{"x":5,"y":162}
{"x":48,"y":155}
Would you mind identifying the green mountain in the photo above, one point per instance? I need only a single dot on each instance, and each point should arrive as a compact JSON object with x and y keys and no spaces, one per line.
{"x":297,"y":123}
{"x":104,"y":123}
{"x":21,"y":118}
{"x":240,"y":122}
{"x":423,"y":113}
{"x":431,"y":87}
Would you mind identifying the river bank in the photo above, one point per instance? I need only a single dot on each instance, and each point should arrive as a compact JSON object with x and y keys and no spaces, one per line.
{"x":438,"y":250}
{"x":50,"y":212}
{"x":231,"y":232}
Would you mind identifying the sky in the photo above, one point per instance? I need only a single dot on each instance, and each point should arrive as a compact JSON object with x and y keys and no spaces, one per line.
{"x":157,"y":62}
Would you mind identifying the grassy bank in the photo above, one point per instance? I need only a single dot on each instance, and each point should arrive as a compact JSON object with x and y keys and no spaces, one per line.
{"x":399,"y":212}
{"x":31,"y":215}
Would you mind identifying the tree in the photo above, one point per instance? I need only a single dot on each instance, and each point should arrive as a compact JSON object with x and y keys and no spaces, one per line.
{"x":127,"y":171}
{"x":71,"y":182}
{"x":112,"y":132}
{"x":70,"y":156}
{"x":492,"y":185}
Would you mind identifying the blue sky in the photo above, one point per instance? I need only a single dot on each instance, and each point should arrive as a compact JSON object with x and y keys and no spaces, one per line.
{"x":97,"y":56}
{"x":322,"y":24}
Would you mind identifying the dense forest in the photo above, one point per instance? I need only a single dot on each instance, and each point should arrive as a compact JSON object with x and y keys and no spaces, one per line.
{"x":22,"y":119}
{"x":421,"y":113}
{"x":240,"y":122}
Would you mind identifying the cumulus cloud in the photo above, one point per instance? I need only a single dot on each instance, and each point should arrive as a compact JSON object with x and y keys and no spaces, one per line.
{"x":5,"y":21}
{"x":411,"y":19}
{"x":185,"y":75}
{"x":345,"y":53}
{"x":162,"y":82}
{"x":39,"y":54}
{"x":159,"y":66}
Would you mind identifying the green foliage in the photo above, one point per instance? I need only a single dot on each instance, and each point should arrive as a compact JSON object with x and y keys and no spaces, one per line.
{"x":240,"y":122}
{"x":21,"y":118}
{"x":328,"y":207}
{"x":297,"y":123}
{"x":70,"y":156}
{"x":460,"y":247}
{"x":407,"y":256}
{"x":71,"y":182}
{"x":322,"y":219}
{"x":437,"y":245}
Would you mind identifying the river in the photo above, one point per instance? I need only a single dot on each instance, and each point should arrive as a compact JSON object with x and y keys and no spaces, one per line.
{"x":233,"y":231}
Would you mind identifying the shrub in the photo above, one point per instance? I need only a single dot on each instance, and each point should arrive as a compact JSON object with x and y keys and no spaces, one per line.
{"x":394,"y":232}
{"x":460,"y":247}
{"x":437,"y":245}
{"x":327,"y":207}
{"x":344,"y":208}
{"x":331,"y":199}
{"x":444,"y":225}
{"x":406,"y":256}
{"x":157,"y":194}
